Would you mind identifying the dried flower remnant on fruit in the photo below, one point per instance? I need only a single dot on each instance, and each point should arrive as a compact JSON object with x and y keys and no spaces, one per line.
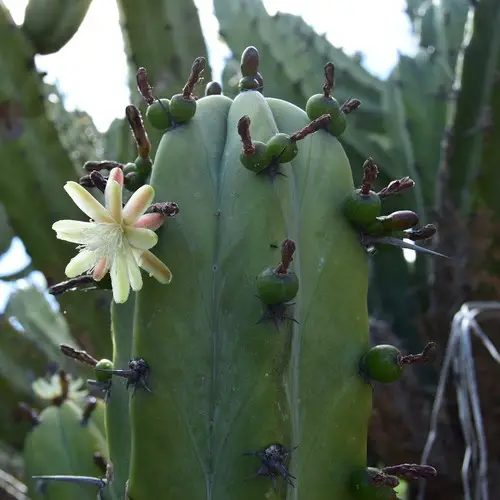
{"x":370,"y":174}
{"x":396,"y":187}
{"x":137,"y":126}
{"x":116,"y":240}
{"x":143,"y":85}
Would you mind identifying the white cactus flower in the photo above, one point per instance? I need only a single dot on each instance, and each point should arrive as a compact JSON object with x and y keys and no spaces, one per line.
{"x":117,"y":239}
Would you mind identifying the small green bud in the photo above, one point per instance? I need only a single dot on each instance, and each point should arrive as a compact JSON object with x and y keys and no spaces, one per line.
{"x":275,"y":288}
{"x":362,"y":209}
{"x":382,"y":363}
{"x":103,"y":364}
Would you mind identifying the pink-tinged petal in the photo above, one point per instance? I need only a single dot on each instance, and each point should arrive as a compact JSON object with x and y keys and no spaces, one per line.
{"x":154,"y":266}
{"x":80,"y":264}
{"x":134,"y":273}
{"x":119,"y":278}
{"x":141,"y":238}
{"x":113,"y":197}
{"x":138,"y":203}
{"x":100,"y":270}
{"x":73,"y":231}
{"x":87,"y":203}
{"x":116,"y":174}
{"x":150,"y":221}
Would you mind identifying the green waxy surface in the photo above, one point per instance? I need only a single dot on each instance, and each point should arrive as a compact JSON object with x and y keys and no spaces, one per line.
{"x":381,"y":363}
{"x":276,"y":289}
{"x":222,"y":383}
{"x":117,"y":407}
{"x":70,"y":446}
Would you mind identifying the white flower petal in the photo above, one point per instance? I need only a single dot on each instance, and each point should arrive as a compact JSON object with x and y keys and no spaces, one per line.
{"x":150,"y":221}
{"x":73,"y":230}
{"x":79,"y":264}
{"x":113,"y":197}
{"x":119,"y":278}
{"x":116,"y":174}
{"x":134,"y":273}
{"x":101,"y":269}
{"x":141,"y":238}
{"x":87,"y":203}
{"x":138,"y":203}
{"x":154,"y":266}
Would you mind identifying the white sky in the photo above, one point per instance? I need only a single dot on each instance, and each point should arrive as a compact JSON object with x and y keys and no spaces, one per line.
{"x":381,"y":30}
{"x":97,"y":48}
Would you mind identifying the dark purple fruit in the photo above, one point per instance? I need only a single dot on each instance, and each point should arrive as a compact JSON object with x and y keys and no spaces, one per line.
{"x":158,"y":114}
{"x":248,"y":83}
{"x":363,"y":488}
{"x":362,"y":209}
{"x":277,"y":288}
{"x":103,"y":364}
{"x":382,"y":364}
{"x":182,"y":109}
{"x":281,"y":148}
{"x":259,"y":160}
{"x":213,"y":88}
{"x":399,"y":221}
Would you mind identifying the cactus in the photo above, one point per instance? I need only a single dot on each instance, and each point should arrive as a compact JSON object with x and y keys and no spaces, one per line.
{"x":66,"y":437}
{"x":255,"y":348}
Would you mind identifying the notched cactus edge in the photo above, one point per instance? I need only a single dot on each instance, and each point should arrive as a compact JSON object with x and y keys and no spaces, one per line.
{"x":210,"y":378}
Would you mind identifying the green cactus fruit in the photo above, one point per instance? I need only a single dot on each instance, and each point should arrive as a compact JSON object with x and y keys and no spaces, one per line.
{"x":382,"y":364}
{"x":259,"y":160}
{"x":319,"y":104}
{"x":338,"y":124}
{"x":364,"y":488}
{"x":362,"y":209}
{"x":282,"y":148}
{"x":61,"y":445}
{"x":222,"y":383}
{"x":143,"y":166}
{"x":182,"y":109}
{"x":103,"y":364}
{"x":248,"y":83}
{"x":275,"y":288}
{"x":158,"y":114}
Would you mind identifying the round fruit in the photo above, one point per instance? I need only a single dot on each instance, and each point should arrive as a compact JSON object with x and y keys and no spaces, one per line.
{"x":282,"y":148}
{"x":182,"y":109}
{"x":364,"y":489}
{"x":248,"y":83}
{"x":249,"y":61}
{"x":381,"y":363}
{"x":399,"y":221}
{"x":338,"y":124}
{"x":259,"y":160}
{"x":158,"y":114}
{"x":144,"y":166}
{"x":128,"y":168}
{"x":277,"y":288}
{"x":213,"y":88}
{"x":133,"y":181}
{"x":362,"y":208}
{"x":318,"y":105}
{"x":103,"y":364}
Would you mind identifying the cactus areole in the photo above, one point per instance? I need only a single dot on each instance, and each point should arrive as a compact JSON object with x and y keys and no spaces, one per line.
{"x":222,"y":381}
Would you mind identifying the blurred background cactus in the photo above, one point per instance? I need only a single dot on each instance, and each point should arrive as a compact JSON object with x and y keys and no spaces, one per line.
{"x":436,"y":119}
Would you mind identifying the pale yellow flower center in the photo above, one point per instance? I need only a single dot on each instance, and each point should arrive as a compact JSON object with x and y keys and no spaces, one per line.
{"x":103,"y":240}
